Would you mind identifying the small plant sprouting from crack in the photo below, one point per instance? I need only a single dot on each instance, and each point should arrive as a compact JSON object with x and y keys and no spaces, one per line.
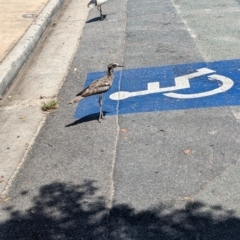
{"x":49,"y":105}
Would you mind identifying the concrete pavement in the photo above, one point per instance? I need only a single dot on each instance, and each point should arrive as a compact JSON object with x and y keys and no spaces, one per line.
{"x":22,"y":26}
{"x":16,"y":17}
{"x":130,"y":177}
{"x":20,"y":114}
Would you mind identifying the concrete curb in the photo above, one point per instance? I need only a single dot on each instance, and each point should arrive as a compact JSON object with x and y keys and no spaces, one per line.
{"x":15,"y":60}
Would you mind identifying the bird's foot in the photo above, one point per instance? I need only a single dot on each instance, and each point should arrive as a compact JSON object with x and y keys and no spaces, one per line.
{"x":102,"y":117}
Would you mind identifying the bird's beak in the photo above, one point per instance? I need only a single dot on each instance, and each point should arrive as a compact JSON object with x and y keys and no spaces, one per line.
{"x":120,"y":66}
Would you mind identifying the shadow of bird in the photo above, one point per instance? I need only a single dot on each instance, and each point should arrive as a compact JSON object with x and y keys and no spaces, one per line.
{"x":98,"y":86}
{"x":96,"y":19}
{"x":88,"y":118}
{"x":97,"y":3}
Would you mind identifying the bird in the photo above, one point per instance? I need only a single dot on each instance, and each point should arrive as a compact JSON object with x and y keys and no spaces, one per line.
{"x":98,"y":86}
{"x":97,"y":3}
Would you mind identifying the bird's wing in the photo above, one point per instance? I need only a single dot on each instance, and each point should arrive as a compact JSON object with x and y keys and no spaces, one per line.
{"x":102,"y":82}
{"x":97,"y":86}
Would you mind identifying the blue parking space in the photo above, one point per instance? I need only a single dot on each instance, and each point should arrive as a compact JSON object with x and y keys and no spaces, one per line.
{"x":166,"y":88}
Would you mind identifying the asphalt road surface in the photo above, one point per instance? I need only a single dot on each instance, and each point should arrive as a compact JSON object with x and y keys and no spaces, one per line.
{"x":157,"y":167}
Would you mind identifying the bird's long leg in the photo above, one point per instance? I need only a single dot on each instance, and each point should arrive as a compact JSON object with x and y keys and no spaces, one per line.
{"x":100,"y":10}
{"x":100,"y":104}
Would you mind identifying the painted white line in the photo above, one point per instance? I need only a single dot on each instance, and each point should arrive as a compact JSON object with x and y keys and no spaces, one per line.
{"x":227,"y":83}
{"x":181,"y":82}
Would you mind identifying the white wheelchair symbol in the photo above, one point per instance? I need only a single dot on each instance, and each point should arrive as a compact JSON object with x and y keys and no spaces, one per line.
{"x":182,"y":82}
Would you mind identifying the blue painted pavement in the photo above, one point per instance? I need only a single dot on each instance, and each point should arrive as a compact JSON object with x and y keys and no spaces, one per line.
{"x":200,"y":85}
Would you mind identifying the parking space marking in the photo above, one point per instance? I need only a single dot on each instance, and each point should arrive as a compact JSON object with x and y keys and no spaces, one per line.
{"x":195,"y":85}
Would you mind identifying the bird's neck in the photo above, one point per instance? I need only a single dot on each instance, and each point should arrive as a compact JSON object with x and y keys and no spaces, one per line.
{"x":110,"y":71}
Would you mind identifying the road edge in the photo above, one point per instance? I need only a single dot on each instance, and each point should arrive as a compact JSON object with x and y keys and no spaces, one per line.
{"x":16,"y":58}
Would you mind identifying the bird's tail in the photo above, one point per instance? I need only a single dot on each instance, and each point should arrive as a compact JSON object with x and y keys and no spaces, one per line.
{"x":76,"y":99}
{"x":91,"y":5}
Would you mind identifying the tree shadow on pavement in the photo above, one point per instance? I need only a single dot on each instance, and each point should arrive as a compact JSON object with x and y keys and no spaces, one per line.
{"x":65,"y":211}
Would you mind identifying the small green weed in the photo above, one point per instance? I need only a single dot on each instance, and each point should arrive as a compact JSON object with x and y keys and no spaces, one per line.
{"x":49,"y":105}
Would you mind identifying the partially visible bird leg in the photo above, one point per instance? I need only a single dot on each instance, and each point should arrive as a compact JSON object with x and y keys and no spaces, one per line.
{"x":100,"y":10}
{"x":101,"y":112}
